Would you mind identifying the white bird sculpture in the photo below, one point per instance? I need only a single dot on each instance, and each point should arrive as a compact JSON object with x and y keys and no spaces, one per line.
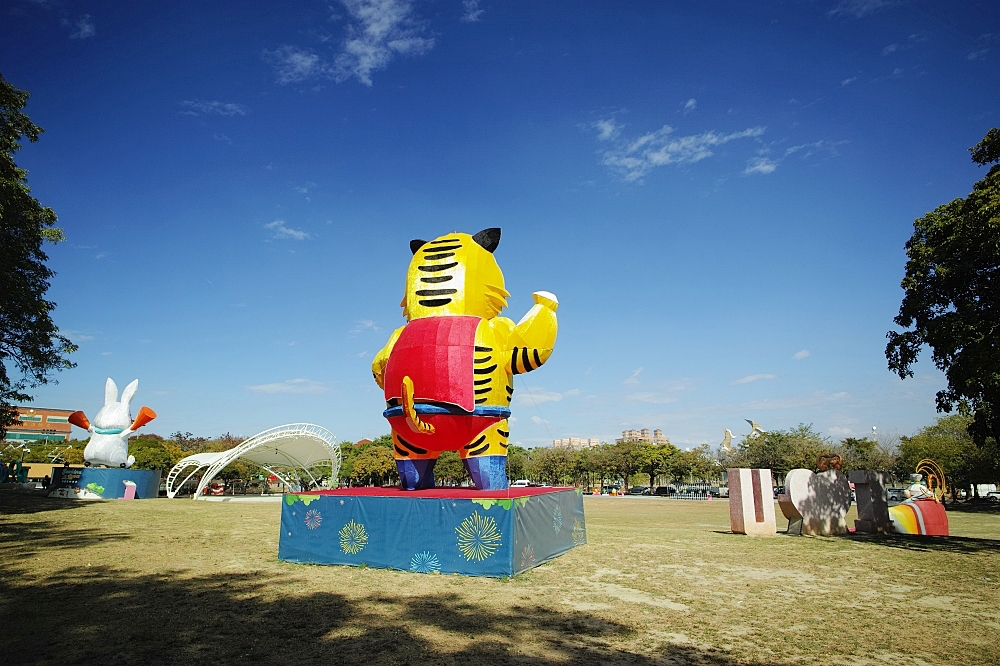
{"x":755,"y":428}
{"x":727,"y":441}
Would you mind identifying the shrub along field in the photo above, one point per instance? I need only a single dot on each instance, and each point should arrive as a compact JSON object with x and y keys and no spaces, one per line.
{"x":660,"y":582}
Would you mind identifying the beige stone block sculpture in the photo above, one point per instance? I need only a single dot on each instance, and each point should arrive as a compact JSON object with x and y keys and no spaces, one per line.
{"x":821,"y":500}
{"x":751,"y":502}
{"x":873,"y":506}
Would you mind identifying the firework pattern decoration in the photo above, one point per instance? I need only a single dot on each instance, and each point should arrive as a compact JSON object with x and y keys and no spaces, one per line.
{"x":425,"y":562}
{"x":353,"y":538}
{"x":579,"y":533}
{"x":527,"y":558}
{"x":313,"y":519}
{"x":557,"y":519}
{"x":478,"y":537}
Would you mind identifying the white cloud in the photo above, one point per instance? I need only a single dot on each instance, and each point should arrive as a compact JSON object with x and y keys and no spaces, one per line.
{"x":634,"y":159}
{"x":837,"y":431}
{"x":607,"y":129}
{"x":293,"y":64}
{"x":537,"y":420}
{"x":652,"y":398}
{"x":799,"y":355}
{"x":690,"y":105}
{"x":847,"y":82}
{"x":472,"y":11}
{"x":281,"y":231}
{"x":859,"y":8}
{"x":200,"y":107}
{"x":762,"y":165}
{"x":363,"y":325}
{"x":290,"y":386}
{"x":76,"y":337}
{"x":538,"y":396}
{"x":753,"y":378}
{"x":976,"y":55}
{"x":223,"y":138}
{"x":84,"y":28}
{"x":892,"y":48}
{"x":634,"y":377}
{"x":797,"y":402}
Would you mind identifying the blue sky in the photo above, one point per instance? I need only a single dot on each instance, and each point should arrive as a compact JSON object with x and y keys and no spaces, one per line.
{"x":718,"y":192}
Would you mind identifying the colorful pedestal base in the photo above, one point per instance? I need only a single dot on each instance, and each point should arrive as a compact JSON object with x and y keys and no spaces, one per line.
{"x":439,"y":530}
{"x":104,"y":483}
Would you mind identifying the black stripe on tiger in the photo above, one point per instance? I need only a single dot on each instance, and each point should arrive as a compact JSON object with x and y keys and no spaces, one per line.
{"x":477,"y":442}
{"x":480,"y":382}
{"x":415,"y":449}
{"x":436,"y":278}
{"x":483,"y":390}
{"x":436,"y":269}
{"x":434,"y":302}
{"x":503,"y":433}
{"x":525,"y":362}
{"x":440,"y":256}
{"x":444,"y":240}
{"x":485,"y":371}
{"x":480,"y":401}
{"x":483,"y":349}
{"x":442,"y":248}
{"x":513,"y":362}
{"x":510,"y":390}
{"x":481,"y":449}
{"x":482,"y":360}
{"x":435,"y":292}
{"x":405,"y":454}
{"x":538,"y":361}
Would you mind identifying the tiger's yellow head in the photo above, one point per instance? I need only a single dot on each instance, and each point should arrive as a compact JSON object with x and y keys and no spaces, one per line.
{"x":455,"y":274}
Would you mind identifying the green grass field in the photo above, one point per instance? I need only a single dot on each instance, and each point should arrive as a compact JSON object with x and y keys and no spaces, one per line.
{"x":660,"y":582}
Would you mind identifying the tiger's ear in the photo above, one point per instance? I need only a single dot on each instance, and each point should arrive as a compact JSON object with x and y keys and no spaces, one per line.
{"x":416,"y":244}
{"x":488,"y":239}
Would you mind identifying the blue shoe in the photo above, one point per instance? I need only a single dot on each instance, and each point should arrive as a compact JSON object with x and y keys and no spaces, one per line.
{"x":416,"y":474}
{"x":488,"y":472}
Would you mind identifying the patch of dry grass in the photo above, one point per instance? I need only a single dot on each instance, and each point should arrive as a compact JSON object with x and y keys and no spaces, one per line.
{"x":660,"y":582}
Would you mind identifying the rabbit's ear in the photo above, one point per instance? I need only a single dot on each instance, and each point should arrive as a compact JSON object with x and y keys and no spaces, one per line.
{"x":129,"y":392}
{"x":110,"y":392}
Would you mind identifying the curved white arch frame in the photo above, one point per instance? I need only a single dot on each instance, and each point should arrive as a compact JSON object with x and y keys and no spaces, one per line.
{"x":296,"y":446}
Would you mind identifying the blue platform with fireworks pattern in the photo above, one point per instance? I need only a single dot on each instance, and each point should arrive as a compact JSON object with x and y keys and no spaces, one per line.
{"x":439,"y":530}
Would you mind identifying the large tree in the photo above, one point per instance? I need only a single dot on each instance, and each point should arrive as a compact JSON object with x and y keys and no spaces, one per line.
{"x":952,"y":299}
{"x":30,"y":345}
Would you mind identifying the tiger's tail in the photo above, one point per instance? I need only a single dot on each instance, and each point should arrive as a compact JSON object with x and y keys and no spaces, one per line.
{"x":412,"y":419}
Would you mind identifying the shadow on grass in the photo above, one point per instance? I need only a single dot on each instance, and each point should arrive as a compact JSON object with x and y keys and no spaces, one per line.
{"x":951,"y":544}
{"x":18,"y":502}
{"x":108,"y":616}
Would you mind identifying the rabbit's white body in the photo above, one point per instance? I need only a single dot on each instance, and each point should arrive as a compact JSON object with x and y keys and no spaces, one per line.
{"x":111,"y":429}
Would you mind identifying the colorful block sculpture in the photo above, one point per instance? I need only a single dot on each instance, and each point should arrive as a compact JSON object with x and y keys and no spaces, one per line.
{"x":439,"y":530}
{"x":448,"y":374}
{"x":816,"y":503}
{"x":112,"y":427}
{"x":751,"y":503}
{"x":923,"y":516}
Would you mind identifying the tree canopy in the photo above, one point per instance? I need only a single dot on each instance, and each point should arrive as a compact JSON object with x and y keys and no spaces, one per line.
{"x":30,"y":345}
{"x":952,"y":299}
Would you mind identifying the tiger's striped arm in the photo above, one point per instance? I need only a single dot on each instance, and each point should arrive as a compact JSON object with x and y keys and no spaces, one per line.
{"x":530,"y":343}
{"x":382,"y":358}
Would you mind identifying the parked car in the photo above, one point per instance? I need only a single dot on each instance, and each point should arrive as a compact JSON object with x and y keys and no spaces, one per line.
{"x":779,"y":490}
{"x":638,"y":490}
{"x":894,"y":494}
{"x":520,"y":483}
{"x":664,"y":491}
{"x":612,"y":487}
{"x":993,"y":497}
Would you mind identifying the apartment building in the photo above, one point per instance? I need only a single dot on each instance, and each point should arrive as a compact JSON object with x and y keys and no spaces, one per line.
{"x":576,"y":442}
{"x":41,"y":423}
{"x":643,"y":436}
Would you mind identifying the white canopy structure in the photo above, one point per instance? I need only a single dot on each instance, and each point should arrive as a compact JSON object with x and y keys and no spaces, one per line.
{"x":290,"y":452}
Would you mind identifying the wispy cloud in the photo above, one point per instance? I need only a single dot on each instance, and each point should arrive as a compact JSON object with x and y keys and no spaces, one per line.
{"x":539,"y":396}
{"x":607,"y":130}
{"x":538,"y":420}
{"x":761,"y":164}
{"x":847,"y":82}
{"x":77,"y":336}
{"x":652,"y":398}
{"x":892,"y":48}
{"x":634,"y":159}
{"x":690,"y":105}
{"x":838,"y":431}
{"x":376,"y":32}
{"x":281,"y":231}
{"x":977,"y":55}
{"x":799,"y":355}
{"x":860,"y":8}
{"x":472,"y":12}
{"x":764,"y":163}
{"x":84,"y":27}
{"x":200,"y":107}
{"x":634,"y":377}
{"x":290,"y":386}
{"x":796,"y":402}
{"x":753,"y":378}
{"x":363,"y":325}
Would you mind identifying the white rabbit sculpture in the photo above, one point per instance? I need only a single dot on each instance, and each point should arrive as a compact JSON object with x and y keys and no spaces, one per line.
{"x":112,"y":427}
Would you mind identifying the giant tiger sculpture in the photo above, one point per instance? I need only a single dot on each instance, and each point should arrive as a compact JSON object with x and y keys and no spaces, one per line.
{"x":448,"y":374}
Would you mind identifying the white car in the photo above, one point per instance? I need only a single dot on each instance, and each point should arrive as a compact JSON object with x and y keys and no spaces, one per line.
{"x":520,"y":483}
